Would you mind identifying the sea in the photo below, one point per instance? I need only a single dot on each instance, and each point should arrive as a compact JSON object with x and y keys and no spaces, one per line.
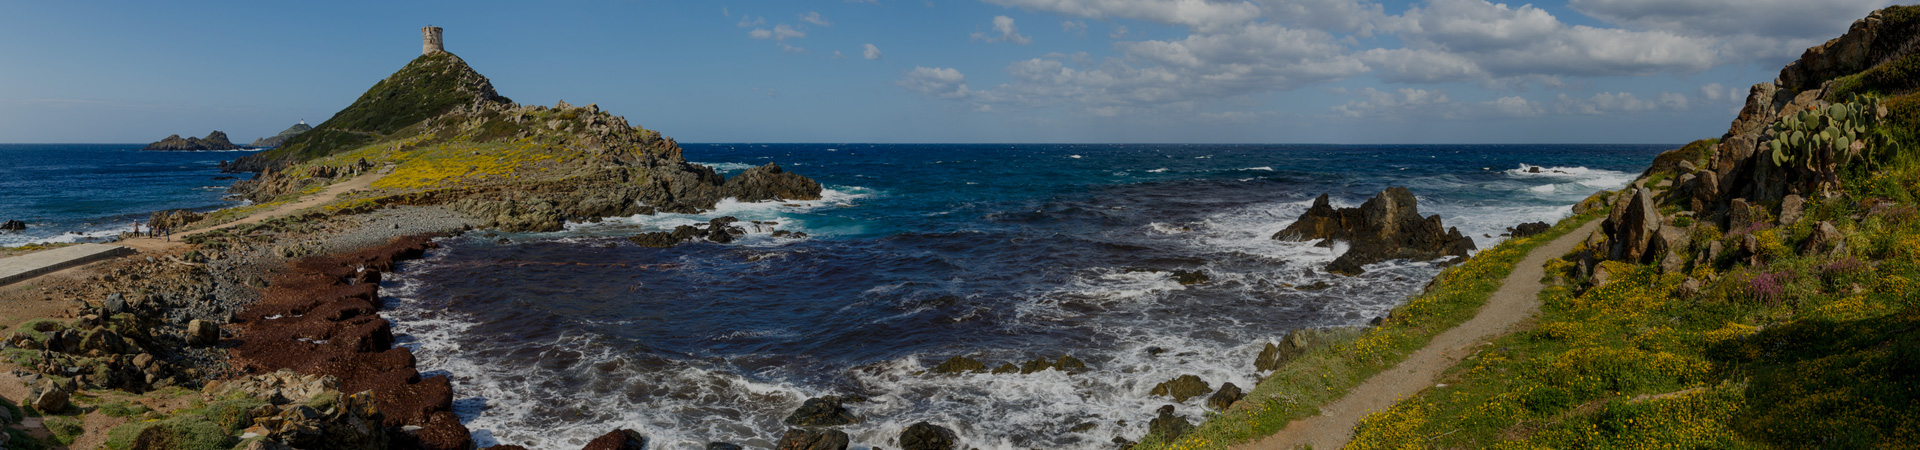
{"x":67,"y":193}
{"x":918,"y":253}
{"x":915,"y":254}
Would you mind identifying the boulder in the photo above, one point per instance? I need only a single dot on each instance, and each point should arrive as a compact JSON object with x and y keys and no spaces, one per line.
{"x":1169,"y":426}
{"x":770,"y":182}
{"x":1529,"y":229}
{"x":1824,"y":239}
{"x":173,"y":218}
{"x":662,"y":239}
{"x":201,"y":332}
{"x":1291,"y":346}
{"x":13,"y":225}
{"x":52,"y":399}
{"x":960,"y":364}
{"x":821,"y":412}
{"x":722,"y":446}
{"x":926,"y":436}
{"x":1388,"y":226}
{"x":1631,"y":228}
{"x":1182,"y":388}
{"x":1225,"y":397}
{"x":622,"y":439}
{"x":1791,"y":208}
{"x":813,"y":440}
{"x":1703,"y":190}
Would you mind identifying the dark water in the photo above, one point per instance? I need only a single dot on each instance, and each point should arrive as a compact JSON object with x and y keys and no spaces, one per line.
{"x":98,"y":190}
{"x":922,"y":252}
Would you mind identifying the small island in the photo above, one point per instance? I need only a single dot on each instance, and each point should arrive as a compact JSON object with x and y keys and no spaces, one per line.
{"x":214,"y":141}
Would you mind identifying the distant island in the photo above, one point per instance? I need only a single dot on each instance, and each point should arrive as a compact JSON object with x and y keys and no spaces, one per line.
{"x":278,"y":139}
{"x":214,"y":141}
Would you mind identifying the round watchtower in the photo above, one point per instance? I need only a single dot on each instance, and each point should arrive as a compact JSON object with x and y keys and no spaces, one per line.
{"x":430,"y":41}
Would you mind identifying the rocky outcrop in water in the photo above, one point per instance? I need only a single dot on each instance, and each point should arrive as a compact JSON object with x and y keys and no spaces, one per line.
{"x":813,"y":440}
{"x":1182,"y":388}
{"x":281,"y":139}
{"x":1386,"y":227}
{"x":621,"y":439}
{"x":926,"y":436}
{"x":821,"y":412}
{"x":13,"y":225}
{"x":214,"y":141}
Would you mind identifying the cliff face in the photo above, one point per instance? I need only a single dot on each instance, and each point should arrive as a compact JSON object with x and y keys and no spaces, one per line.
{"x":214,"y":141}
{"x":281,"y":139}
{"x":442,"y":135}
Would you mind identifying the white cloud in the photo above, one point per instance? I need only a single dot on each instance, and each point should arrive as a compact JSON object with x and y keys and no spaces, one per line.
{"x":1074,"y":26}
{"x":751,"y":21}
{"x":1714,"y":92}
{"x":780,"y":32}
{"x":1774,"y":31}
{"x":938,"y":82}
{"x":1119,"y":32}
{"x":869,"y":51}
{"x":1619,"y":102}
{"x":814,"y":18}
{"x":1505,"y":42}
{"x":1198,"y":14}
{"x":1008,"y":32}
{"x":1412,"y":103}
{"x":1402,"y":65}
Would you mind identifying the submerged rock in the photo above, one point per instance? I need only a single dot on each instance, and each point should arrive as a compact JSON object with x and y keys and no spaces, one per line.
{"x":1191,"y":277}
{"x":960,"y":364}
{"x":926,"y":436}
{"x":1182,"y":388}
{"x":1386,"y":227}
{"x":813,"y":440}
{"x":622,"y":439}
{"x":821,"y":412}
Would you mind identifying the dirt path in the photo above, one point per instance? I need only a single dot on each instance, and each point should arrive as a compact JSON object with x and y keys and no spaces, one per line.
{"x":362,"y":182}
{"x":1516,"y":301}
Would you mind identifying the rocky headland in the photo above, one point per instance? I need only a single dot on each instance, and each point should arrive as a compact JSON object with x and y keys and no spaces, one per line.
{"x":282,"y":138}
{"x":214,"y":141}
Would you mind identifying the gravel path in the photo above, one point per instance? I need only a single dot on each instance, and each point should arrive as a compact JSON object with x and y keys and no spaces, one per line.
{"x":1516,"y":301}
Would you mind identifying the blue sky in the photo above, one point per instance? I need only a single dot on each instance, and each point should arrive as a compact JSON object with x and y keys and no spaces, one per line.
{"x":1171,"y":71}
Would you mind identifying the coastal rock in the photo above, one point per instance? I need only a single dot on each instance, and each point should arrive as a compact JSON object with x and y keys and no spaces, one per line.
{"x":622,"y":439}
{"x":1182,"y":388}
{"x":813,"y":440}
{"x":1225,"y":397}
{"x":214,"y":141}
{"x":52,"y":399}
{"x":1276,"y":355}
{"x":1170,"y":427}
{"x":1388,"y":226}
{"x":663,"y":239}
{"x":13,"y":225}
{"x":281,"y":139}
{"x":1631,"y":227}
{"x":200,"y":332}
{"x":770,"y":182}
{"x":722,"y":446}
{"x":1529,"y":229}
{"x":821,"y":412}
{"x":960,"y":364}
{"x":1191,"y":277}
{"x":926,"y":436}
{"x":173,"y":218}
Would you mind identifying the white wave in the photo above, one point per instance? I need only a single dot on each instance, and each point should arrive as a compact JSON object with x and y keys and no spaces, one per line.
{"x":1074,"y":156}
{"x":1542,"y":188}
{"x":1261,"y":168}
{"x":35,"y":236}
{"x":1159,"y":170}
{"x":782,"y":213}
{"x":727,"y":166}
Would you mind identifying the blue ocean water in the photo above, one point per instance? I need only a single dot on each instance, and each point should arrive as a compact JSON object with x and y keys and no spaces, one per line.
{"x":91,"y":192}
{"x":1004,"y":253}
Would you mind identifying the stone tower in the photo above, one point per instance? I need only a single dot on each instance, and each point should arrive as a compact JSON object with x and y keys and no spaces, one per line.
{"x":430,"y":41}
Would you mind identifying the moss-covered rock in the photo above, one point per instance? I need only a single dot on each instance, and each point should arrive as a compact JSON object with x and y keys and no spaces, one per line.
{"x":960,"y":364}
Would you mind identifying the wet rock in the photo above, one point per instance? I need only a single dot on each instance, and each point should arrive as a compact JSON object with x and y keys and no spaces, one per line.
{"x":1169,"y":426}
{"x":926,"y":436}
{"x":200,"y":332}
{"x":1388,"y":226}
{"x":813,"y":440}
{"x":722,"y":231}
{"x":770,"y":182}
{"x":1182,"y":388}
{"x":1191,"y":277}
{"x":1006,"y":368}
{"x":1824,"y":239}
{"x":1225,"y":397}
{"x":13,"y":225}
{"x":1529,"y":229}
{"x":1315,"y":286}
{"x":821,"y":412}
{"x":722,"y":446}
{"x":960,"y":364}
{"x":1069,"y":364}
{"x":662,"y":239}
{"x":622,"y":439}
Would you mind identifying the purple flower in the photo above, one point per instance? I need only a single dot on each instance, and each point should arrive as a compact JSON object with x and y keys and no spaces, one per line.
{"x":1769,"y":286}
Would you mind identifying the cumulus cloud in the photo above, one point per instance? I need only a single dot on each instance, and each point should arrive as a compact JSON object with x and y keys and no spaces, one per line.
{"x":1773,"y":31}
{"x":1074,"y":26}
{"x":1008,"y":32}
{"x":939,"y":82}
{"x":870,"y":52}
{"x":1411,"y":103}
{"x":779,"y":32}
{"x":1619,"y":102}
{"x":1502,"y":41}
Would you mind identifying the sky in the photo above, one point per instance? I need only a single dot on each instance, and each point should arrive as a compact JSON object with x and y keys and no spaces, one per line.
{"x":933,"y":71}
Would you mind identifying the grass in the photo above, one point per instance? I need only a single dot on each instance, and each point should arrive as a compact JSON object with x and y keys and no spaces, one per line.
{"x":1327,"y":373}
{"x":1798,"y":351}
{"x":426,"y":87}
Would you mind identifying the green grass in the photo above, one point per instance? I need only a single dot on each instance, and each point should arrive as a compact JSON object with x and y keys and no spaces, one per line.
{"x":64,"y":428}
{"x":124,"y":409}
{"x":1800,"y":351}
{"x":1326,"y":373}
{"x":426,"y":87}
